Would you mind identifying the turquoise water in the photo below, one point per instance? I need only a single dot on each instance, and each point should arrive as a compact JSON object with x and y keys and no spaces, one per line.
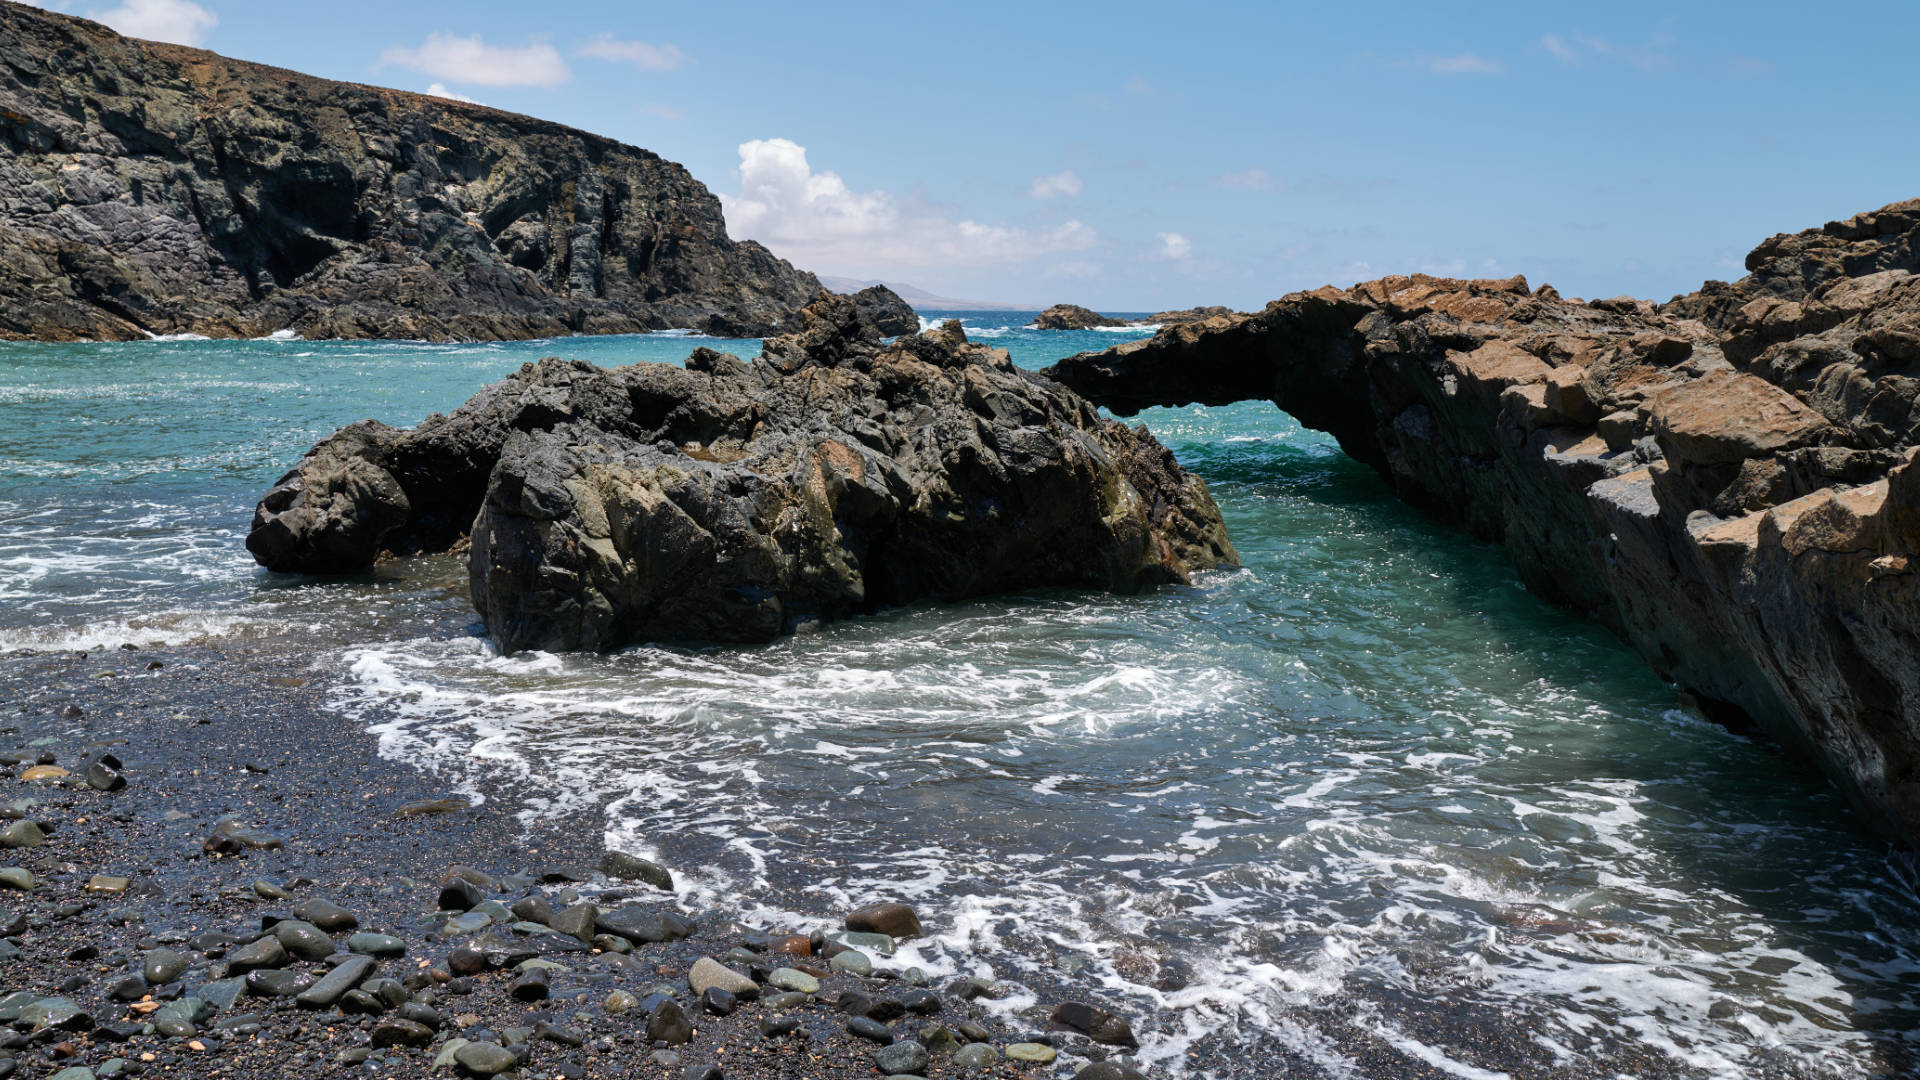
{"x":1361,"y":808}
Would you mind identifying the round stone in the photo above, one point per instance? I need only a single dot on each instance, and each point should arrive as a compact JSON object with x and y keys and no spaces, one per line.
{"x":1037,"y":1053}
{"x":901,"y":1058}
{"x":377,"y":945}
{"x":798,"y":982}
{"x":853,"y":962}
{"x":975,"y":1056}
{"x":485,"y":1059}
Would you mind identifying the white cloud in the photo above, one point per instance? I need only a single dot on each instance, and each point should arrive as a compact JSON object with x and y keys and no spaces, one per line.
{"x":1652,"y":56}
{"x":471,"y":60}
{"x":1073,"y":270}
{"x":816,"y":220}
{"x":1461,"y":64}
{"x":641,"y":54}
{"x":1174,"y":246}
{"x":1560,"y":48}
{"x":1060,"y":184}
{"x":180,"y":21}
{"x":440,"y":90}
{"x":1247,"y":179}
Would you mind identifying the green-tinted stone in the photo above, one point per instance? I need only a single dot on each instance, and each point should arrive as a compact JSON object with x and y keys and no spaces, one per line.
{"x":797,"y":981}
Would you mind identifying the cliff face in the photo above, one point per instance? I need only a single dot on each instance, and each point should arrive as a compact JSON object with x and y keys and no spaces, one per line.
{"x":148,"y":188}
{"x":1727,"y":480}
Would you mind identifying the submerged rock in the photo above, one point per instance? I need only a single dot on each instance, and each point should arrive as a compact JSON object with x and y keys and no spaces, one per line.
{"x":1726,"y":480}
{"x":834,"y":475}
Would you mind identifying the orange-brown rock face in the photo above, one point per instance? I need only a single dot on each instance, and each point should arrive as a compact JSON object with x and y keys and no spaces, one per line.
{"x":1727,"y":480}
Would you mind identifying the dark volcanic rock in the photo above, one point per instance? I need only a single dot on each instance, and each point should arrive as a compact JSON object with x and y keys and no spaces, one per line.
{"x":149,"y":188}
{"x":1074,"y":317}
{"x":1726,"y":480}
{"x":887,"y":313}
{"x":833,"y":476}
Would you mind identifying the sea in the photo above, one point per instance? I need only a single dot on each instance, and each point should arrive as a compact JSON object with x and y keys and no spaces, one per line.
{"x":1362,"y":807}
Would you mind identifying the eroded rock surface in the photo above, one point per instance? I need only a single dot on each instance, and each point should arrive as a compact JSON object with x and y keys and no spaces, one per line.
{"x":1726,"y":480}
{"x":729,"y":500}
{"x":150,"y":188}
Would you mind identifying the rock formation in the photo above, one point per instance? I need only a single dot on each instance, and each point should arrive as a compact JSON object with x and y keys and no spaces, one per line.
{"x":1074,"y":317}
{"x":149,"y":188}
{"x":889,"y":314}
{"x":1726,"y":480}
{"x":731,"y":501}
{"x":1188,"y":315}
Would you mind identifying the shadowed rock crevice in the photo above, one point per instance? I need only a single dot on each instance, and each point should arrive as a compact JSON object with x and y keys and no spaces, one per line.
{"x":835,"y":475}
{"x":1725,"y":480}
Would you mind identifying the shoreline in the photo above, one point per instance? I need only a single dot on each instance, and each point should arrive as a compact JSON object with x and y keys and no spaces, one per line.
{"x":211,"y":734}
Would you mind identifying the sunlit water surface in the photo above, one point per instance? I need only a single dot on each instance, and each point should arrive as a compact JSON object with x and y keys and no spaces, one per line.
{"x":1362,"y":806}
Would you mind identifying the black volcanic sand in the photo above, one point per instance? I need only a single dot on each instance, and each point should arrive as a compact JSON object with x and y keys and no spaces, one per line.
{"x":206,"y":734}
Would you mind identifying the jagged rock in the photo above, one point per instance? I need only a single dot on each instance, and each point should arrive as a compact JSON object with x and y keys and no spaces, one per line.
{"x":885,"y":311}
{"x":1726,"y":480}
{"x":1074,"y":317}
{"x":150,"y":188}
{"x":834,"y":475}
{"x":1189,"y":315}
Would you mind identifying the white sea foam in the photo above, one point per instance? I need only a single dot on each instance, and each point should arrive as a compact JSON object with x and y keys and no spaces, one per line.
{"x":146,"y":631}
{"x":666,"y":742}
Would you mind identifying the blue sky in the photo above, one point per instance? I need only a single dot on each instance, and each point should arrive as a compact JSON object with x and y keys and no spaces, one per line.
{"x":1136,"y":156}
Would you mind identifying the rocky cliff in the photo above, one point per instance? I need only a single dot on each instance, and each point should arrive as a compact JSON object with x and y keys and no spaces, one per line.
{"x":1726,"y":480}
{"x":834,"y":475}
{"x":148,"y":188}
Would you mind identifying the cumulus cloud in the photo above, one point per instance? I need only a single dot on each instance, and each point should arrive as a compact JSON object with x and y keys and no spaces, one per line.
{"x":440,"y":90}
{"x":816,"y":220}
{"x":641,"y":54}
{"x":1174,"y":246}
{"x":471,"y":60}
{"x":1245,"y":179}
{"x":179,"y":21}
{"x":1058,"y":185}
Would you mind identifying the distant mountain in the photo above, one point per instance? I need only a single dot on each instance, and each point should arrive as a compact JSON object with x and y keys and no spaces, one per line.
{"x":919,"y":298}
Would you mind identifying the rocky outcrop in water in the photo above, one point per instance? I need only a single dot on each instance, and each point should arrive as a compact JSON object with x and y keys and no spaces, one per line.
{"x":148,"y":188}
{"x":1074,"y":317}
{"x":833,"y":475}
{"x":1726,"y":480}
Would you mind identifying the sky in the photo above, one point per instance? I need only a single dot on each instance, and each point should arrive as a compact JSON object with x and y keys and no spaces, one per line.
{"x":1134,"y":157}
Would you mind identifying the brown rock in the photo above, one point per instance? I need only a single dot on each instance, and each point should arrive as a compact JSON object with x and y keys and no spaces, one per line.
{"x":897,"y":920}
